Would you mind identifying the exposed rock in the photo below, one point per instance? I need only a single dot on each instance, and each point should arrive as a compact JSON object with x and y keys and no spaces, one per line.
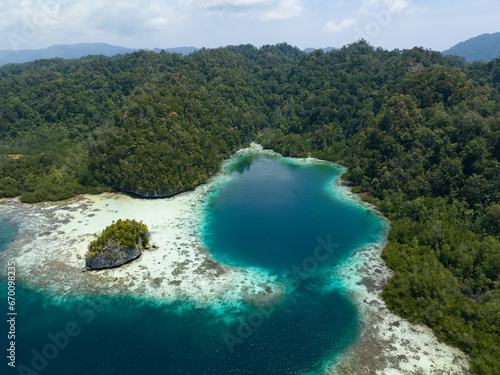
{"x":154,"y":193}
{"x":113,"y":257}
{"x":118,"y":244}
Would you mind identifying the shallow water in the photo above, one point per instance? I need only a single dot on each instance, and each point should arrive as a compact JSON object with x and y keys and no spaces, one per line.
{"x":8,"y":231}
{"x":269,"y":215}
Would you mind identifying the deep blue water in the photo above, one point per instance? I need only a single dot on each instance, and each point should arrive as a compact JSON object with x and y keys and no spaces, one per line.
{"x":270,"y":215}
{"x":274,"y":212}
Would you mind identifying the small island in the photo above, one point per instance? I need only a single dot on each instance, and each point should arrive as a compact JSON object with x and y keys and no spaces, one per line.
{"x":120,"y":243}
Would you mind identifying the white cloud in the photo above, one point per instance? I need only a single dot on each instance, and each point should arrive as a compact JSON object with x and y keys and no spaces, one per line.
{"x":120,"y":17}
{"x":158,"y":22}
{"x":333,"y":27}
{"x":393,"y":6}
{"x":31,"y":19}
{"x":23,"y":21}
{"x":261,"y":9}
{"x":398,"y":6}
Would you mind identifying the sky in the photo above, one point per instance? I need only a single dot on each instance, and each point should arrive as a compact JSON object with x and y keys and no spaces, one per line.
{"x":437,"y":25}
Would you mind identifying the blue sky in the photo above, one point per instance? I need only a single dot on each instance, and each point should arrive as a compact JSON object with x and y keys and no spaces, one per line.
{"x":31,"y":24}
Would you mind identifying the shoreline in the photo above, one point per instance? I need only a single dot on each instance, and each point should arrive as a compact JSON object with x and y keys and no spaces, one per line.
{"x":50,"y":253}
{"x":386,"y":343}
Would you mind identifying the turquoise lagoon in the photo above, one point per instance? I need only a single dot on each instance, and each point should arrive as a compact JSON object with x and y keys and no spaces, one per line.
{"x":281,"y":215}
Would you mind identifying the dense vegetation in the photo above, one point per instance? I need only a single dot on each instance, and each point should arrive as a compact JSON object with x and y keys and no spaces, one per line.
{"x":418,"y":131}
{"x":124,"y":234}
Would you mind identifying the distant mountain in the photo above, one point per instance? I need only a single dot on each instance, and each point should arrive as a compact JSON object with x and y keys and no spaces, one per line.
{"x":73,"y":51}
{"x":326,"y":49}
{"x":183,"y":50}
{"x":483,"y":47}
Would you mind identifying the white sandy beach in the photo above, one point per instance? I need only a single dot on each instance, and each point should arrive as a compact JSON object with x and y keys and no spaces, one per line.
{"x":50,"y":253}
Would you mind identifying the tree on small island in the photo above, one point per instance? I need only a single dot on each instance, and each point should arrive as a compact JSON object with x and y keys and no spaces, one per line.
{"x":118,"y":244}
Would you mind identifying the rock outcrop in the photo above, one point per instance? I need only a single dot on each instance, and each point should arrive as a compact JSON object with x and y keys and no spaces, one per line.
{"x":154,"y":193}
{"x":120,"y":243}
{"x":113,"y":257}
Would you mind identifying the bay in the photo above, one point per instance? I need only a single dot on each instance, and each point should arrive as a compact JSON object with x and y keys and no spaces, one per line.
{"x":273,"y":214}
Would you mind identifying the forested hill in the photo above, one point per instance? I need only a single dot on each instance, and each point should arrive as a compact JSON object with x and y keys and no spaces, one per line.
{"x":418,"y":131}
{"x":482,"y":47}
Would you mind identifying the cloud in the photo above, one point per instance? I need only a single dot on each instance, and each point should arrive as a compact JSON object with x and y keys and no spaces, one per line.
{"x":394,"y":6}
{"x":261,"y":9}
{"x":88,"y":17}
{"x":22,"y":21}
{"x":333,"y":27}
{"x":158,"y":22}
{"x":126,"y":18}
